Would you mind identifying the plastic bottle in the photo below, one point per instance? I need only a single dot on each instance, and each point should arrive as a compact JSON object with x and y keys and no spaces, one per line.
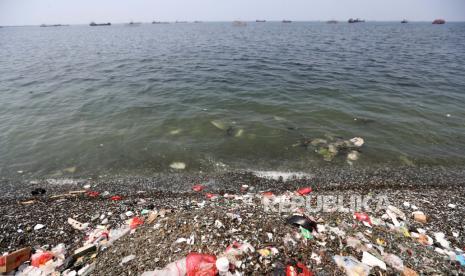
{"x":222,"y":264}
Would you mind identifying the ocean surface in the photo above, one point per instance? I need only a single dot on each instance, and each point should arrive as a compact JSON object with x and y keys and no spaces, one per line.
{"x":213,"y":96}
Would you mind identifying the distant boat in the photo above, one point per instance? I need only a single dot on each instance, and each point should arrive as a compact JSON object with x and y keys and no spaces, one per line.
{"x":287,"y":21}
{"x":93,"y":24}
{"x":439,"y":21}
{"x":134,"y":24}
{"x":239,"y":23}
{"x":159,"y":22}
{"x":260,"y":21}
{"x":54,"y":25}
{"x":181,"y":22}
{"x":198,"y":22}
{"x":357,"y":20}
{"x":332,"y":22}
{"x":404,"y":21}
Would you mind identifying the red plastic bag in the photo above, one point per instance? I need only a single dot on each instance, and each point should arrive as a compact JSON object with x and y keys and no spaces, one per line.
{"x":268,"y":194}
{"x":300,"y":270}
{"x":201,"y":265}
{"x":93,"y":194}
{"x":304,"y":191}
{"x":116,"y":198}
{"x":41,"y":258}
{"x":210,"y":196}
{"x":362,"y":217}
{"x":198,"y":188}
{"x":135,"y":222}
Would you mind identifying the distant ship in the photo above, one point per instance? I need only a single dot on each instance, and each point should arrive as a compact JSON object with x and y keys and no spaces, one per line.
{"x":159,"y":22}
{"x":260,"y":21}
{"x":54,"y":25}
{"x":180,"y":22}
{"x":439,"y":21}
{"x":239,"y":23}
{"x":332,"y":22}
{"x":404,"y":21}
{"x":93,"y":24}
{"x":287,"y":21}
{"x":357,"y":20}
{"x":134,"y":24}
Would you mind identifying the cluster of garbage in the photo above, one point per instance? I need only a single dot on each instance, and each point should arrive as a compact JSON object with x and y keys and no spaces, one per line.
{"x":331,"y":147}
{"x":361,"y":235}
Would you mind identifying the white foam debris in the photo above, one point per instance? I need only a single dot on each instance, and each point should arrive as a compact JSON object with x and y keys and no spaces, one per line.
{"x":178,"y":165}
{"x":276,"y":175}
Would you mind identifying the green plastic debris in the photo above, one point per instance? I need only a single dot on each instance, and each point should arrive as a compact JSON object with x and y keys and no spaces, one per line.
{"x":306,"y":233}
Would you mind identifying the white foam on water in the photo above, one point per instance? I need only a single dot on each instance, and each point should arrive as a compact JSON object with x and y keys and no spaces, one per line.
{"x":276,"y":175}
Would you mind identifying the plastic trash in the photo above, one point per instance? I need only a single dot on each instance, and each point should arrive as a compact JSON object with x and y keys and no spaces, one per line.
{"x":201,"y":264}
{"x":116,"y":198}
{"x":222,"y":264}
{"x":301,"y":221}
{"x":461,"y":259}
{"x":38,"y":226}
{"x":394,"y":262}
{"x":419,"y":217}
{"x":440,"y":238}
{"x":409,"y":272}
{"x":372,"y":261}
{"x":394,"y":213}
{"x":298,"y":270}
{"x":304,"y":191}
{"x":362,"y":217}
{"x":198,"y":188}
{"x":77,"y":225}
{"x":351,"y":265}
{"x":40,"y":258}
{"x":127,"y":259}
{"x":135,"y":222}
{"x":305,"y":233}
{"x":93,"y":194}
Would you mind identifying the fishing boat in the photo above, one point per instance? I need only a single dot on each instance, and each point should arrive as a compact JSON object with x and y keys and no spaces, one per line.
{"x":93,"y":24}
{"x":404,"y":21}
{"x":357,"y":20}
{"x":287,"y":21}
{"x":439,"y":21}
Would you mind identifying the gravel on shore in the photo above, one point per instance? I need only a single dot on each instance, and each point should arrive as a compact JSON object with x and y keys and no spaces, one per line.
{"x":188,"y":221}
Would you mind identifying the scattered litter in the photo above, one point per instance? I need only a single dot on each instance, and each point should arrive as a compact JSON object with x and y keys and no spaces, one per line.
{"x":127,"y":259}
{"x":178,"y":165}
{"x":38,"y":226}
{"x":372,"y":261}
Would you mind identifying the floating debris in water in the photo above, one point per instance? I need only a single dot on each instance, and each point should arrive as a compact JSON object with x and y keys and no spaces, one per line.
{"x":239,"y":133}
{"x":353,"y":155}
{"x":70,"y":170}
{"x":357,"y":141}
{"x":175,"y":131}
{"x":218,"y":124}
{"x":178,"y":165}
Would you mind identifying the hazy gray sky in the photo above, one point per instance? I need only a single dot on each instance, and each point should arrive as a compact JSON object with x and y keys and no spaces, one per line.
{"x":23,"y":12}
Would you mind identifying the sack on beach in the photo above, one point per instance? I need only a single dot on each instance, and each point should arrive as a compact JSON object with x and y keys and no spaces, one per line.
{"x":201,"y":265}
